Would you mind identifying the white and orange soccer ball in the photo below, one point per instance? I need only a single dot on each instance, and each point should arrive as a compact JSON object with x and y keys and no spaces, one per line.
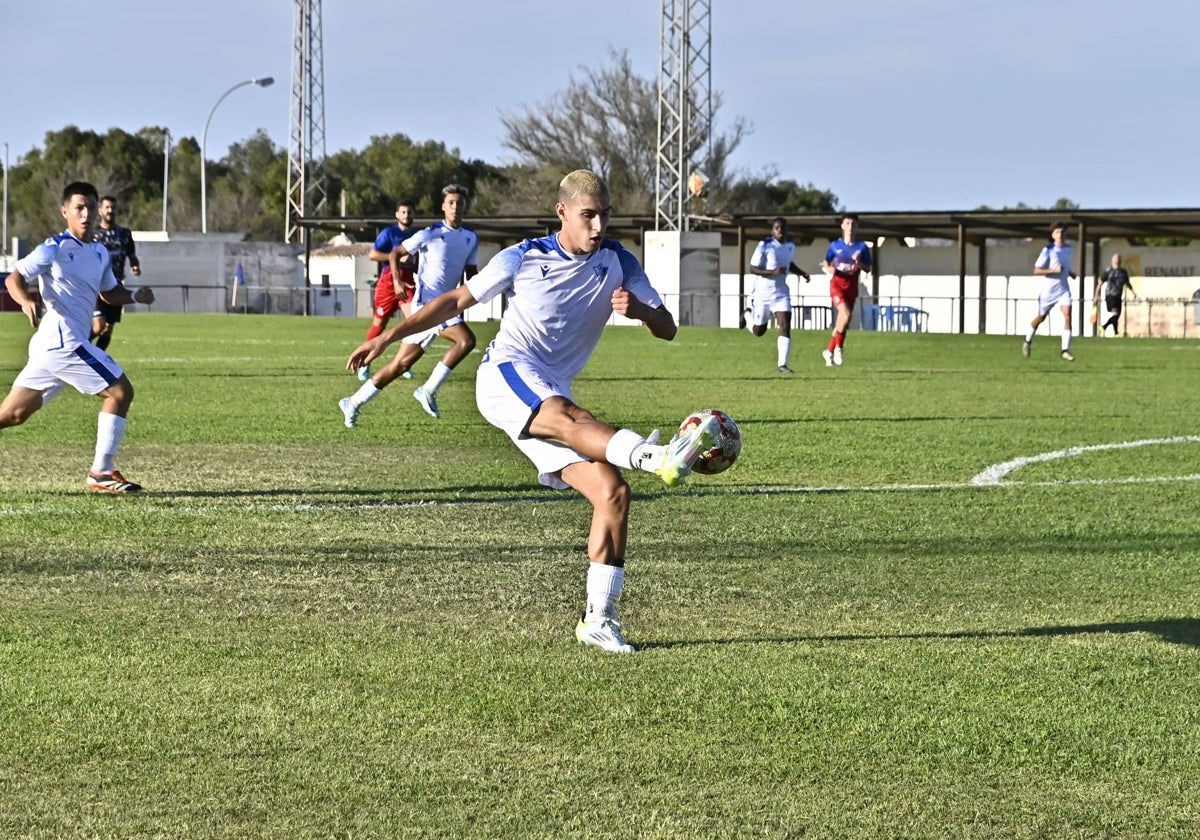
{"x":724,"y":450}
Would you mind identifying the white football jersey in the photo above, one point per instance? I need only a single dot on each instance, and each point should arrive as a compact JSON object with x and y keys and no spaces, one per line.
{"x":557,"y":303}
{"x":771,"y":254}
{"x":70,"y":275}
{"x":445,"y":254}
{"x":1056,"y":257}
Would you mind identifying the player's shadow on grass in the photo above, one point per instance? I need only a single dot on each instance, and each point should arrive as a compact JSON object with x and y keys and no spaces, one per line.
{"x":1180,"y":631}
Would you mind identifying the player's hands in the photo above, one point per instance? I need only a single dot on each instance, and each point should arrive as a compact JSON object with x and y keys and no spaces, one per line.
{"x":30,"y":309}
{"x":144,"y":294}
{"x":366,"y":353}
{"x":625,"y":304}
{"x":136,"y":270}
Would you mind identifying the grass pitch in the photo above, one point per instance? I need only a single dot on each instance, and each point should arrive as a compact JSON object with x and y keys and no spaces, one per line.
{"x":301,"y":630}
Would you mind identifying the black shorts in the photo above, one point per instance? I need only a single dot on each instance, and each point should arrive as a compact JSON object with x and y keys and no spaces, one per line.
{"x":108,"y":312}
{"x":1113,"y":305}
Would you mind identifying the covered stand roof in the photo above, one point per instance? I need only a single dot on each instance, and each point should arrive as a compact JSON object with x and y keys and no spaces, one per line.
{"x":975,"y":226}
{"x":968,"y":227}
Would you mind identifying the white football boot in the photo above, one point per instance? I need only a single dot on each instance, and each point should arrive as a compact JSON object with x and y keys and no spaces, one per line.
{"x":603,"y":633}
{"x":682,"y":451}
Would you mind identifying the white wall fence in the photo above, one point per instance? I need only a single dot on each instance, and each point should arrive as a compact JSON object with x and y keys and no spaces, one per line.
{"x":1010,"y":306}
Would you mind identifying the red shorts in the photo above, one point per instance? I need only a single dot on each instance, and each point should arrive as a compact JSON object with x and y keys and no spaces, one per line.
{"x":843,"y":290}
{"x":386,"y":301}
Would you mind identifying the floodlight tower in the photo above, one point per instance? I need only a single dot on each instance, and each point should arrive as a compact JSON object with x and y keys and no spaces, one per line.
{"x":684,"y":107}
{"x":306,"y":146}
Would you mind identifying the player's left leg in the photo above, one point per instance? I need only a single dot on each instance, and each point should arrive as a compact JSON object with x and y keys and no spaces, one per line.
{"x":783,"y":344}
{"x":602,"y":485}
{"x":1066,"y":332}
{"x":405,"y":358}
{"x":462,"y":343}
{"x":110,"y":431}
{"x":17,"y":407}
{"x":833,"y":352}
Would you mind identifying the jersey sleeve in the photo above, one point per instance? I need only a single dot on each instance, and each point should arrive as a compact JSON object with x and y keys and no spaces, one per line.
{"x":497,"y":276}
{"x":635,"y":281}
{"x":473,"y":256}
{"x":417,"y":241}
{"x":129,"y":247}
{"x":108,"y":280}
{"x":383,"y":242}
{"x":1043,"y":260}
{"x":38,"y":261}
{"x":864,"y":256}
{"x":758,"y":258}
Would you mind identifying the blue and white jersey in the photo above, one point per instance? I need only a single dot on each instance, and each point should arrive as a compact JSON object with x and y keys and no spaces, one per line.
{"x":445,"y":254}
{"x":840,"y":254}
{"x":70,"y":275}
{"x":557,"y":303}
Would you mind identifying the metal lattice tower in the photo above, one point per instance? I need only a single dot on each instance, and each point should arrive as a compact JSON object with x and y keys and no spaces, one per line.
{"x":684,"y":106}
{"x":306,"y":146}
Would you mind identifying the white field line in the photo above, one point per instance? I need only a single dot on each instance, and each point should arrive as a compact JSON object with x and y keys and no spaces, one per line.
{"x":995,"y":474}
{"x":991,"y":477}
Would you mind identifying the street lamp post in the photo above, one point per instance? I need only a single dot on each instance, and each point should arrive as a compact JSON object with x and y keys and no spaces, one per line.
{"x":166,"y":172}
{"x":265,"y":81}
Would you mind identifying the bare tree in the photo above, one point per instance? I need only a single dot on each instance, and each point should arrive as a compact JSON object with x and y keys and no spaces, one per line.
{"x":605,"y":120}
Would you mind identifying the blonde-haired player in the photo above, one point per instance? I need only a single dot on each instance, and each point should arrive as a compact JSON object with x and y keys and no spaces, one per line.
{"x":561,"y":291}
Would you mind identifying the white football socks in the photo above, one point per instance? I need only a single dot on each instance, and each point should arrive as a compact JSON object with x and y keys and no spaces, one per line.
{"x":783,"y":347}
{"x":626,"y":448}
{"x":1066,"y":340}
{"x":436,"y":379}
{"x":110,"y":429}
{"x":365,"y":394}
{"x":604,"y":584}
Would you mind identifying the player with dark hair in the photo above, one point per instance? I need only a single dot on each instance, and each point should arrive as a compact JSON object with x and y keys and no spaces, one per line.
{"x":772,"y":260}
{"x":119,"y":242}
{"x":845,"y":260}
{"x":392,"y":291}
{"x":72,"y":271}
{"x":1053,"y":264}
{"x":448,"y":253}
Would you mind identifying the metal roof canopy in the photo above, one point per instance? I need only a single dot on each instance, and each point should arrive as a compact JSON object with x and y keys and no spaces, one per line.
{"x":969,"y":227}
{"x":976,"y":226}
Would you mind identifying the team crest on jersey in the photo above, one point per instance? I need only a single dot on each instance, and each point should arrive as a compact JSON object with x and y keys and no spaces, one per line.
{"x":600,"y":272}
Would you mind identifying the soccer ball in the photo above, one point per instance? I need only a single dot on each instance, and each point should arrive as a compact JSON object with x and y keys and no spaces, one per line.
{"x":724,"y":451}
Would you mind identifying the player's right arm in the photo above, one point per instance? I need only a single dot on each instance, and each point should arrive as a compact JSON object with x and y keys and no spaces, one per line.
{"x":15,"y":284}
{"x":441,"y":308}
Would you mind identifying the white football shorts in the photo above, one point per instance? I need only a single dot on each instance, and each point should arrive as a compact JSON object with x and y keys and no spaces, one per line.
{"x":1056,"y":294}
{"x":507,"y":394}
{"x":770,"y":296}
{"x":426,"y":338}
{"x":86,"y":368}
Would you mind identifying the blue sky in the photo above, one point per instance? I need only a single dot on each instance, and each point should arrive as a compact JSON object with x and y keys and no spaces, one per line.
{"x":921,"y":105}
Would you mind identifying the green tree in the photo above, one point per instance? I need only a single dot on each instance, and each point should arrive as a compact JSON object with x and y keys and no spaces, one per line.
{"x":767,"y":195}
{"x":248,"y":189}
{"x":392,"y":167}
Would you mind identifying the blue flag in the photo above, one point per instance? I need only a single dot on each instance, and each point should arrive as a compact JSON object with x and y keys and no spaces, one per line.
{"x":241,"y":277}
